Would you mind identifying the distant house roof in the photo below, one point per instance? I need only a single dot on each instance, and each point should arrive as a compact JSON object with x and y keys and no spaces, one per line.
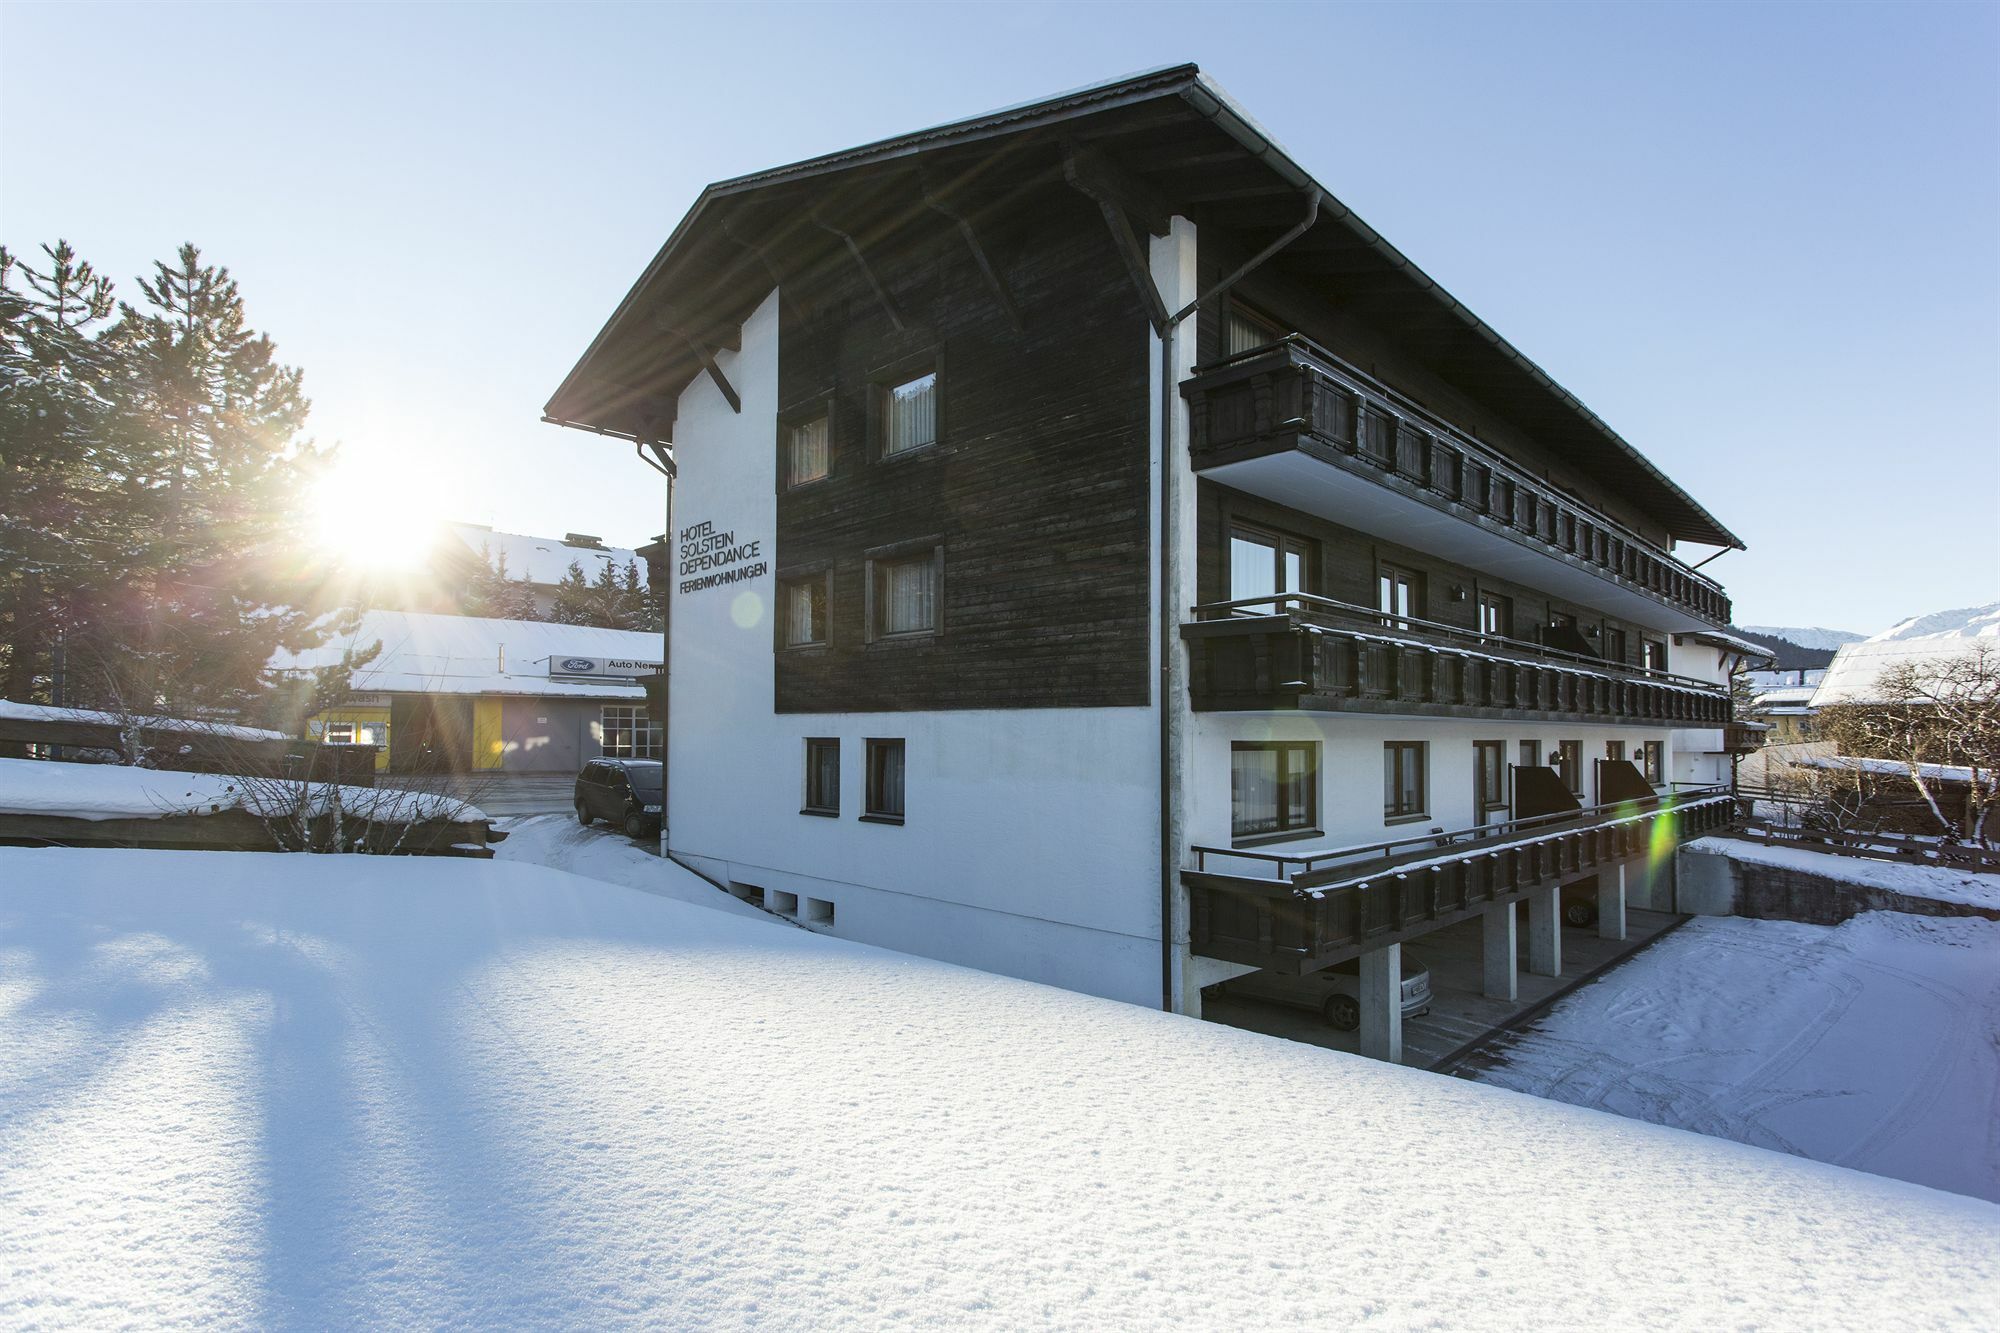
{"x":542,"y":559}
{"x":1784,"y":695}
{"x":1858,"y":668}
{"x":433,"y":654}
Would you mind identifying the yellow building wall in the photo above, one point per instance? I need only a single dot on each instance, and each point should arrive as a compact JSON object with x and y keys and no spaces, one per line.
{"x":372,"y":716}
{"x":488,"y":746}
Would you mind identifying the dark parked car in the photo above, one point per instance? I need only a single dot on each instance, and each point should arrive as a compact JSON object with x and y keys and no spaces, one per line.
{"x":624,"y":793}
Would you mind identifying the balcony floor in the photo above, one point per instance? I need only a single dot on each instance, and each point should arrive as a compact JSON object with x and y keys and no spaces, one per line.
{"x":1459,"y":1013}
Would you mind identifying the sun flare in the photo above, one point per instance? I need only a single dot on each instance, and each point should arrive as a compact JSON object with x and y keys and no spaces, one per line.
{"x":366,"y":524}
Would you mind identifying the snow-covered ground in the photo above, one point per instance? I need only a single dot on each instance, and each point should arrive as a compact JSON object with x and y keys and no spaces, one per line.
{"x":560,"y":843}
{"x":113,"y":791}
{"x":329,"y":1091}
{"x":1874,"y":1044}
{"x":1939,"y":883}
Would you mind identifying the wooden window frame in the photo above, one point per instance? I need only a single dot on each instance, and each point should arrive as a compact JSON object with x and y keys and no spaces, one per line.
{"x":821,"y":405}
{"x":881,"y":381}
{"x":1281,"y":543}
{"x":822,"y":571}
{"x":1653,"y":762}
{"x":1234,"y":307}
{"x":1505,"y":604}
{"x":807,"y":805}
{"x":1480,"y":804}
{"x":871,"y":804}
{"x":1419,"y":601}
{"x":1614,"y":751}
{"x":1390,"y":814}
{"x":1569,"y":756}
{"x":1287,"y":779}
{"x":1526,"y":749}
{"x":933,"y":547}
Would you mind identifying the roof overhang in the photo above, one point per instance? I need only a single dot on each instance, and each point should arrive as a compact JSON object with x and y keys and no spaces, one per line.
{"x":1184,"y":143}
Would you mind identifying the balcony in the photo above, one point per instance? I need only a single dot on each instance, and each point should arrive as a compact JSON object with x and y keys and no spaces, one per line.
{"x":1296,"y":425}
{"x":1303,"y":911}
{"x":1298,"y":651}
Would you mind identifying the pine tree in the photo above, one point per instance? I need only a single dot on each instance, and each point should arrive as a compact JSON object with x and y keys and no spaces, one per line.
{"x":57,"y":551}
{"x":155,"y":491}
{"x":608,"y":598}
{"x":640,"y":612}
{"x":575,"y":604}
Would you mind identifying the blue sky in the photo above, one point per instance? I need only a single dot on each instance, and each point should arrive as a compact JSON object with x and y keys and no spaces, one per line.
{"x":1763,"y":241}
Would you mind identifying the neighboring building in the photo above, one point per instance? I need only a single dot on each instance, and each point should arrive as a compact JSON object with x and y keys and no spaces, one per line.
{"x":1789,"y":711}
{"x":1092,"y":543}
{"x":464,"y":694}
{"x":541,"y":562}
{"x":1792,"y":666}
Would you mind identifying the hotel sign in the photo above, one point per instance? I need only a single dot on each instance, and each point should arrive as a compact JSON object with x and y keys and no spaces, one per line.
{"x":709,"y":559}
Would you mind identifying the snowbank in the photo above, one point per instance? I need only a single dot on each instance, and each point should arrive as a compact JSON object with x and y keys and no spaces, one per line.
{"x":1869,"y":1044}
{"x":332,"y":1091}
{"x":49,"y":713}
{"x":110,"y":791}
{"x":560,"y":843}
{"x":1939,"y":883}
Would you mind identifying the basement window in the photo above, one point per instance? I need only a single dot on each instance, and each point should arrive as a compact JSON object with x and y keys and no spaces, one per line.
{"x":817,"y":912}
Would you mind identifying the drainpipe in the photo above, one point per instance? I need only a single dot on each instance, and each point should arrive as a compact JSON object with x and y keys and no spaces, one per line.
{"x":1169,"y":613}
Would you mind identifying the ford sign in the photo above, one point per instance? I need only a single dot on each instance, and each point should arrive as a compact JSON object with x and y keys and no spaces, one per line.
{"x":579,"y":665}
{"x":617,"y":668}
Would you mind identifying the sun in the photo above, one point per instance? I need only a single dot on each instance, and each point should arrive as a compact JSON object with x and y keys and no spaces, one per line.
{"x":372,"y":519}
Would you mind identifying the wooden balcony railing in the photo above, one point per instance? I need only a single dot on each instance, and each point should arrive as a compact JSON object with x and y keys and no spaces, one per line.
{"x":1302,"y":911}
{"x":1314,"y":653}
{"x":1294,"y":394}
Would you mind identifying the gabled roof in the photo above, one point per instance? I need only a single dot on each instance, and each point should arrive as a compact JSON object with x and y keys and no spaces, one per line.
{"x":542,"y":560}
{"x":1185,"y":142}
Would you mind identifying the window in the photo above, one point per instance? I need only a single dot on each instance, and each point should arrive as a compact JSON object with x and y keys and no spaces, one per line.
{"x":903,"y":594}
{"x":909,"y":409}
{"x":1403,"y":780}
{"x":808,"y":456}
{"x":802,"y":606}
{"x":1265,"y":564}
{"x":1245,"y":329}
{"x":355,"y":733}
{"x":1569,"y":763}
{"x":1653,"y":761}
{"x":1273,"y":788}
{"x":1653,"y":654}
{"x":1496,"y":615}
{"x":1614,"y":749}
{"x":629,"y":733}
{"x":1489,"y":776}
{"x":1614,"y":645}
{"x":822,"y":776}
{"x":1531,"y":754}
{"x":1398,"y":595}
{"x":885,"y":782}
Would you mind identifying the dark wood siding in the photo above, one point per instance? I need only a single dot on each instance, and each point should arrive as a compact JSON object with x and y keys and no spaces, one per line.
{"x":1037,"y":489}
{"x":1345,"y":562}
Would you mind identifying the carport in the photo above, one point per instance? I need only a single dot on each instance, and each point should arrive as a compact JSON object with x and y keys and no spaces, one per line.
{"x":1461,"y":1011}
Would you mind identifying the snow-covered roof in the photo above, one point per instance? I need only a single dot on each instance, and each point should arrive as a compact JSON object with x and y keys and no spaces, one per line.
{"x":1716,"y":638}
{"x":1858,"y":667}
{"x":111,"y":791}
{"x":1785,"y":694}
{"x":90,"y":716}
{"x":328,"y":1091}
{"x":1847,"y":763}
{"x":436,"y":654}
{"x":543,"y":560}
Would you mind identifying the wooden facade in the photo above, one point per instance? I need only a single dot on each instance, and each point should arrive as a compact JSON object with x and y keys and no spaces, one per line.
{"x":1322,"y":910}
{"x":1295,"y":396}
{"x":1035,"y":492}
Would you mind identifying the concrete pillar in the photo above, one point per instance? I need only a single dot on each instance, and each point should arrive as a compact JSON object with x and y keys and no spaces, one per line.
{"x":1611,"y":903}
{"x":1382,"y":1004}
{"x":1502,"y":966}
{"x":1545,"y":944}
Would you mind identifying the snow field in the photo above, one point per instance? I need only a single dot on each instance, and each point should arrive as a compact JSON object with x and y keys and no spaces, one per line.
{"x":300,"y":1090}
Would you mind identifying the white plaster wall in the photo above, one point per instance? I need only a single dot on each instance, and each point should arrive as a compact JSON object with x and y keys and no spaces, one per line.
{"x":1030,"y":844}
{"x":1350,"y":791}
